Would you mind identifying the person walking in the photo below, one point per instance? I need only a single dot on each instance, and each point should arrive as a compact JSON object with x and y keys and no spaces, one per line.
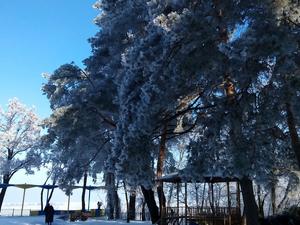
{"x":49,"y":213}
{"x":98,"y":212}
{"x":99,"y":204}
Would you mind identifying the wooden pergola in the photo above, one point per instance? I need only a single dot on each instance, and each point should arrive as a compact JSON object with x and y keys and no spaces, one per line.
{"x":48,"y":187}
{"x":213,"y":215}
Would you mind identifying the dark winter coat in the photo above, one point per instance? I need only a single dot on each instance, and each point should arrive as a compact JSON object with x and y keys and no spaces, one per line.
{"x":49,"y":212}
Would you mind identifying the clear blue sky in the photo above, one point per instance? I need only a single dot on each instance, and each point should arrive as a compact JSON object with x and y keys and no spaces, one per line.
{"x":38,"y":36}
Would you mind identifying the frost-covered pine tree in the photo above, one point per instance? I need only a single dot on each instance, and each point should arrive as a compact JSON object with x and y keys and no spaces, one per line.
{"x":121,"y":22}
{"x":182,"y":53}
{"x":77,"y":139}
{"x":19,"y":141}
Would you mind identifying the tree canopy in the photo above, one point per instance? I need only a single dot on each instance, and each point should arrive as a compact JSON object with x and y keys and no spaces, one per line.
{"x":220,"y":76}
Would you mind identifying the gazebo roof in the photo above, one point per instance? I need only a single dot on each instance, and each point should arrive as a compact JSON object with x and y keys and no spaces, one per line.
{"x":207,"y":178}
{"x":47,"y":186}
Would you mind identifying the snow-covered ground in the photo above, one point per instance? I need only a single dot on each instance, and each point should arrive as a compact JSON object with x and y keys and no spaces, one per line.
{"x":40,"y":220}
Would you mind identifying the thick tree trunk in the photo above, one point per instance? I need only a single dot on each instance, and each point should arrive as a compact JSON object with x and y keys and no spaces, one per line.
{"x":143,"y":211}
{"x":161,"y":198}
{"x":159,"y":172}
{"x":110,"y":185}
{"x":293,"y":132}
{"x":132,"y":200}
{"x":150,"y":201}
{"x":83,"y":192}
{"x":110,"y":205}
{"x":6,"y":179}
{"x":251,"y":210}
{"x":239,"y":140}
{"x":273,"y":198}
{"x":117,"y":205}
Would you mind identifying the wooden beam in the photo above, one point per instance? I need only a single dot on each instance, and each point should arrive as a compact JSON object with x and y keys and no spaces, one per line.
{"x":229,"y":202}
{"x":177,"y":193}
{"x":24,"y":191}
{"x":185,"y":202}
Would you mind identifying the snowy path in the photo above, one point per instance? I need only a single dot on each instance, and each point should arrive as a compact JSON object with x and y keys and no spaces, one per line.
{"x":39,"y":220}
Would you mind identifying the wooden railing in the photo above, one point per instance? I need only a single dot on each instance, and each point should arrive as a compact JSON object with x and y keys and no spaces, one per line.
{"x":205,"y":215}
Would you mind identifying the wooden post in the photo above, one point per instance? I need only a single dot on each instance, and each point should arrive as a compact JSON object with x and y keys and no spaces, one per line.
{"x":185,"y":202}
{"x":89,"y":199}
{"x":178,"y":211}
{"x":213,"y":202}
{"x":229,"y":202}
{"x":24,"y":190}
{"x":69,"y":202}
{"x":177,"y":193}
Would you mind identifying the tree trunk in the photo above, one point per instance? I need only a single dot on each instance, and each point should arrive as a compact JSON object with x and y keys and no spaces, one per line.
{"x":110,"y":206}
{"x":211,"y":197}
{"x":6,"y":179}
{"x":42,"y":192}
{"x":280,"y":205}
{"x":127,"y":203}
{"x":161,"y":198}
{"x":260,"y":202}
{"x":110,"y":185}
{"x":150,"y":201}
{"x":83,"y":192}
{"x":293,"y":132}
{"x":52,"y":190}
{"x":228,"y":202}
{"x":2,"y":194}
{"x":197,"y":195}
{"x":160,"y":168}
{"x":51,"y":194}
{"x":143,"y":211}
{"x":117,"y":204}
{"x":203,"y":197}
{"x":238,"y":139}
{"x":273,"y":198}
{"x":251,"y":210}
{"x":132,"y":200}
{"x":238,"y":197}
{"x":42,"y":199}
